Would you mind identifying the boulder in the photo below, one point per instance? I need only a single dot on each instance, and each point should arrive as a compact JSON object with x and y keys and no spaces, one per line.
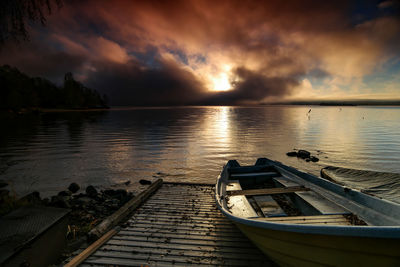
{"x":292,"y":154}
{"x":60,"y":201}
{"x":32,"y":198}
{"x":74,"y":187}
{"x":303,"y":154}
{"x":65,"y":193}
{"x":91,"y":191}
{"x":314,"y":159}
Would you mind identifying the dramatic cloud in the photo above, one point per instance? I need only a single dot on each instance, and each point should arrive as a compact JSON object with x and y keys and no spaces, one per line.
{"x":217,"y":52}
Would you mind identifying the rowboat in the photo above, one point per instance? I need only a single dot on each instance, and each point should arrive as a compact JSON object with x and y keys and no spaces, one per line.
{"x":298,"y":219}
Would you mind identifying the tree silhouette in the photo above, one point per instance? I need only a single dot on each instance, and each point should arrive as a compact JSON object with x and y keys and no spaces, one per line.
{"x":19,"y":91}
{"x":14,"y":15}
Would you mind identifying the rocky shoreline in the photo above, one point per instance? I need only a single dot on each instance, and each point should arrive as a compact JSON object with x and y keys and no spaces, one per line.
{"x":88,"y":208}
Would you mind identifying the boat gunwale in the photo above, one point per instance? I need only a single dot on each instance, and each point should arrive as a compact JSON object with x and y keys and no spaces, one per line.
{"x":390,"y":232}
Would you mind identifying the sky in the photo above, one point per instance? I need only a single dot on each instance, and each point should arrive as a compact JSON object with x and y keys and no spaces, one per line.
{"x":219,"y":52}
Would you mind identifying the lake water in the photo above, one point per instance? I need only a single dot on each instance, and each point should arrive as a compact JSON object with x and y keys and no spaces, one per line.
{"x":191,"y":144}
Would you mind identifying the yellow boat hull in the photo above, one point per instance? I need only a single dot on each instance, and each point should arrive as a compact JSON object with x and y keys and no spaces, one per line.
{"x":297,"y":249}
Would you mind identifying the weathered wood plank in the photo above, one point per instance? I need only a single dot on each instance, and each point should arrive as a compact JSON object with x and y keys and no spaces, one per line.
{"x":315,"y":217}
{"x":324,"y":220}
{"x":190,"y":211}
{"x":187,"y":236}
{"x":255,"y":174}
{"x":269,"y":206}
{"x":177,"y":207}
{"x":181,"y":204}
{"x":233,"y":185}
{"x":180,"y":252}
{"x":194,"y":227}
{"x":184,"y":246}
{"x":249,"y":169}
{"x":182,"y":216}
{"x":268,"y":191}
{"x":183,"y":234}
{"x":178,"y":221}
{"x":168,"y":257}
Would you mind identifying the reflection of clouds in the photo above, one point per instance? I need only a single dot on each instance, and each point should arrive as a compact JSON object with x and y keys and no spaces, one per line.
{"x":192,"y":144}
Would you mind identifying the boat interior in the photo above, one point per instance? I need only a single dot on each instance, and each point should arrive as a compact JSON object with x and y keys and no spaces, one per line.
{"x":263,"y":192}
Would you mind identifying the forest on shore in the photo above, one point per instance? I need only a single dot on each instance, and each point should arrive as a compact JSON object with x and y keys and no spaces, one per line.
{"x":20,"y":92}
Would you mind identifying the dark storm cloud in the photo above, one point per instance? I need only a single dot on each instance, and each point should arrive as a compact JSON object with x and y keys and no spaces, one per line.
{"x":133,"y":84}
{"x":36,"y":59}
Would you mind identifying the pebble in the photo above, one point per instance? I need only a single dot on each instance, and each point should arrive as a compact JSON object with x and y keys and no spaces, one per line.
{"x":144,"y":182}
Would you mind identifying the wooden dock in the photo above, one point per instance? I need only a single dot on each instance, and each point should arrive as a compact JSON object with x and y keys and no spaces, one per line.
{"x":179,"y":225}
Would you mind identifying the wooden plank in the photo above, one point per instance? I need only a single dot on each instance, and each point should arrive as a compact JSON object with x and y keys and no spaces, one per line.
{"x":168,"y":257}
{"x":180,"y":204}
{"x":318,"y":220}
{"x":92,"y":248}
{"x":233,"y":185}
{"x":192,"y":207}
{"x":185,"y":200}
{"x":178,"y":221}
{"x":124,"y":211}
{"x":321,"y":204}
{"x":187,"y":236}
{"x":190,"y":210}
{"x":173,"y":227}
{"x":285,"y":182}
{"x":255,"y":174}
{"x":197,"y":242}
{"x":249,"y":169}
{"x":315,"y":217}
{"x":183,"y":217}
{"x":269,"y":206}
{"x":240,"y":206}
{"x":182,"y":233}
{"x":184,"y":246}
{"x":268,"y":191}
{"x":180,"y":252}
{"x":190,"y":184}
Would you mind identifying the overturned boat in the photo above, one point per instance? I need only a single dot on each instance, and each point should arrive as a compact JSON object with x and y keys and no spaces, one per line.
{"x":298,"y":219}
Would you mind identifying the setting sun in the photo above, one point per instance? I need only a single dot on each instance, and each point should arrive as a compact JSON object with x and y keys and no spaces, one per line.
{"x":221,"y":83}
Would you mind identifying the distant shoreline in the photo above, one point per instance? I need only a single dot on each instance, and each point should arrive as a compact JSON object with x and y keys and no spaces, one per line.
{"x":52,"y":110}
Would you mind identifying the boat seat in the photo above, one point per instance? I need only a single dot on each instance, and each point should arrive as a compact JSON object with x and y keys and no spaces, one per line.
{"x":310,"y":202}
{"x":316,"y":219}
{"x":255,"y":174}
{"x":268,"y":191}
{"x":239,"y":205}
{"x":268,"y":206}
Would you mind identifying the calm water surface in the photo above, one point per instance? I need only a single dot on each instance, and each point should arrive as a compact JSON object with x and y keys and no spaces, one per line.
{"x":48,"y":152}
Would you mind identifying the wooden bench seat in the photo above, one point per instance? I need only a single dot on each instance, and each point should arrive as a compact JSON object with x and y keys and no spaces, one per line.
{"x":267,"y":191}
{"x":309,"y":202}
{"x":316,"y":219}
{"x":268,"y":206}
{"x":255,"y":174}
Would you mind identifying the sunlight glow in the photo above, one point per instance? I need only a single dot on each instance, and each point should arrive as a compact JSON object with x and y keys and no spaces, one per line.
{"x":221,"y":83}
